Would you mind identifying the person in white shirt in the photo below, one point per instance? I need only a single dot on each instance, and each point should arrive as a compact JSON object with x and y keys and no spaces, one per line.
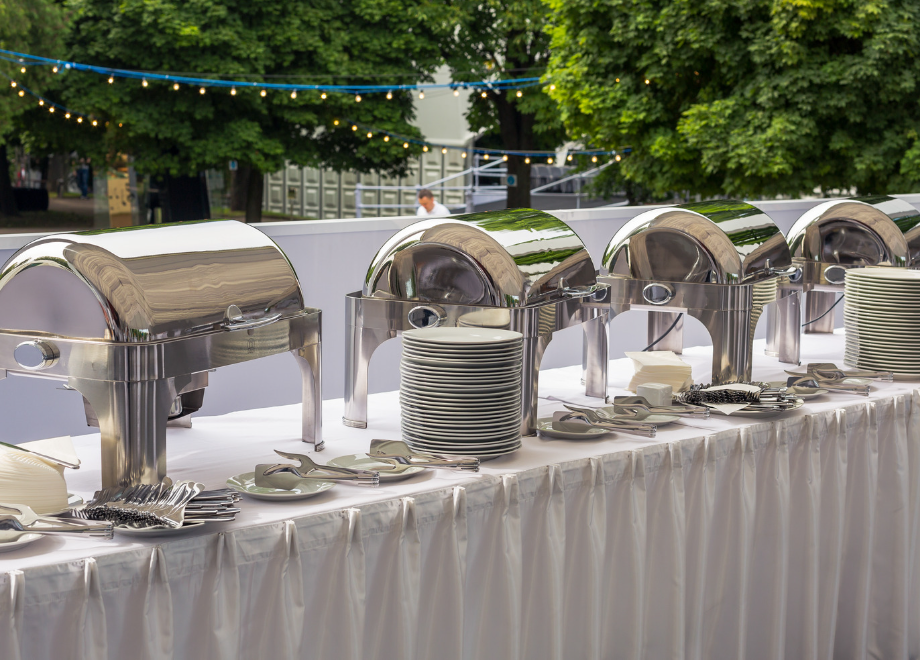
{"x":428,"y":208}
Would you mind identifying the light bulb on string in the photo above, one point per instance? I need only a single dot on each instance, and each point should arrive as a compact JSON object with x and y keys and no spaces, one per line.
{"x":549,"y":161}
{"x":357,"y":98}
{"x":456,"y":92}
{"x":119,"y":124}
{"x":593,"y":159}
{"x":552,"y":88}
{"x":617,"y":158}
{"x":22,"y":70}
{"x":369,"y":134}
{"x":22,"y":93}
{"x":569,"y":158}
{"x":144,"y":82}
{"x":354,"y":127}
{"x":95,"y":123}
{"x":520,"y":93}
{"x":484,"y":95}
{"x":463,"y":155}
{"x":505,"y":157}
{"x":323,"y":96}
{"x":647,"y":81}
{"x":389,"y":96}
{"x":421,"y":95}
{"x":527,"y":161}
{"x":41,"y":102}
{"x":425,"y":148}
{"x":335,"y":122}
{"x":79,"y":120}
{"x":405,"y":145}
{"x":51,"y":109}
{"x":54,"y":69}
{"x":386,"y":138}
{"x":67,"y":115}
{"x":485,"y":156}
{"x":201,"y":90}
{"x":618,"y":80}
{"x":111,"y":79}
{"x":176,"y":87}
{"x":263,"y":93}
{"x":233,"y":91}
{"x":12,"y":83}
{"x":443,"y":150}
{"x":294,"y":94}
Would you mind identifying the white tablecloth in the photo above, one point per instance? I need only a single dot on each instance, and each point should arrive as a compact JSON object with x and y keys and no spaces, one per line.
{"x":717,"y":539}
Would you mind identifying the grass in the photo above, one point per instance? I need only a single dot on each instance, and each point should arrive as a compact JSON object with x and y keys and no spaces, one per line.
{"x":36,"y":220}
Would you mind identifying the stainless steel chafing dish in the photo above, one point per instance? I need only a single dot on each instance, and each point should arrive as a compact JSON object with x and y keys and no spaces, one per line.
{"x":718,"y":261}
{"x":826,"y":241}
{"x":135,"y":318}
{"x":520,"y":269}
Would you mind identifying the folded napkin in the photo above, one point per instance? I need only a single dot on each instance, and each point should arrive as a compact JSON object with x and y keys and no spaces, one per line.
{"x":659,"y":367}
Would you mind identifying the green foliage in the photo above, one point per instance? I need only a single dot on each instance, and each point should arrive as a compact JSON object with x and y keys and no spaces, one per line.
{"x":306,"y":41}
{"x":745,"y":98}
{"x":28,"y":26}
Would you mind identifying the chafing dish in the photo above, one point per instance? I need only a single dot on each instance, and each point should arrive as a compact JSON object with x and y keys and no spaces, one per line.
{"x":135,"y":318}
{"x":519,"y":269}
{"x":718,"y":261}
{"x":826,"y":241}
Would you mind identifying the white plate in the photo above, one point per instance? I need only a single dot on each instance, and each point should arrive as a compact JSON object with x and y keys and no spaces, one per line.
{"x":545,"y":428}
{"x":442,"y":397}
{"x":488,"y":392}
{"x":806,"y":393}
{"x":459,"y":412}
{"x":460,"y":450}
{"x":486,"y":336}
{"x":485,"y":425}
{"x":21,"y":542}
{"x":466,"y":352}
{"x":465,"y":369}
{"x":435,"y":444}
{"x":468,"y":380}
{"x":442,"y":419}
{"x":246,"y":483}
{"x":468,"y":435}
{"x":882,"y":273}
{"x":388,"y":471}
{"x":159,"y":530}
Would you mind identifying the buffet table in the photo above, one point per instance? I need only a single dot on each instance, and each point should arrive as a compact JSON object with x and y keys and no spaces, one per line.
{"x":793,"y":537}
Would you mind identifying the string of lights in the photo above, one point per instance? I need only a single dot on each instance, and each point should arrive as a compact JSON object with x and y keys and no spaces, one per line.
{"x":484,"y":87}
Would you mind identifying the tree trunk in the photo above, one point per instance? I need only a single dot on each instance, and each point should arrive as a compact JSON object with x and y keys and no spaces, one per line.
{"x":239,"y":185}
{"x":44,"y":166}
{"x":254,"y":196}
{"x":517,"y":135}
{"x":7,"y":199}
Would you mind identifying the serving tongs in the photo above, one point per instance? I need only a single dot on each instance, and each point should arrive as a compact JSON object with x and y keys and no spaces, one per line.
{"x":829,"y":385}
{"x":627,"y":405}
{"x":593,"y":418}
{"x":287,"y":477}
{"x":399,"y":452}
{"x":830,"y":371}
{"x":16,"y":520}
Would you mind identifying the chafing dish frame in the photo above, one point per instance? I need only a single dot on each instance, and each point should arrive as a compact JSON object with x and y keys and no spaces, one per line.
{"x":370,"y":321}
{"x":819,"y":281}
{"x":728,"y":308}
{"x":132,"y":387}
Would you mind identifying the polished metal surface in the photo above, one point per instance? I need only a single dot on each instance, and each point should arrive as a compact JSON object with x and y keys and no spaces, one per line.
{"x":520,"y":269}
{"x":719,"y":261}
{"x":135,"y":318}
{"x":826,"y":241}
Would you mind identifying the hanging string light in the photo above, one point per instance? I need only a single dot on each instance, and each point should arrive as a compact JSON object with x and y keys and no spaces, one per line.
{"x":201,"y":90}
{"x":144,"y":83}
{"x":263,"y":93}
{"x":389,"y":96}
{"x":176,"y":87}
{"x":294,"y":94}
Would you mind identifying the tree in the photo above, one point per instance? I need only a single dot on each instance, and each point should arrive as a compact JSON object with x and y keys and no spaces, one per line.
{"x":182,"y":131}
{"x":497,"y":40}
{"x":752,"y":98}
{"x":25,"y":26}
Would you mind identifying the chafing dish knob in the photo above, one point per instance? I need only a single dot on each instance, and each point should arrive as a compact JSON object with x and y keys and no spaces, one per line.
{"x":36,"y":355}
{"x":657,"y":294}
{"x":424,"y":317}
{"x":796,"y":275}
{"x":835,"y":274}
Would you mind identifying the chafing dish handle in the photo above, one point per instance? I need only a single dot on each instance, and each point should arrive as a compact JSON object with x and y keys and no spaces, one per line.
{"x":243,"y":324}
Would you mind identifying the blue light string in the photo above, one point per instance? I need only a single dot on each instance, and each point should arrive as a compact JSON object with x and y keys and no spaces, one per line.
{"x":25,"y":59}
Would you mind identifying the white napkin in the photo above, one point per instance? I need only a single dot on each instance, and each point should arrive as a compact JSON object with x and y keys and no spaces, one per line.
{"x":659,"y":367}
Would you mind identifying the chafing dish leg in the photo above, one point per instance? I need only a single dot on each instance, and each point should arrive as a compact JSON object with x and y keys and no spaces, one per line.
{"x":132,"y":422}
{"x":534,"y":348}
{"x":658,"y":324}
{"x":360,"y":347}
{"x":784,"y":328}
{"x":816,"y":304}
{"x":731,"y":346}
{"x":595,"y":357}
{"x":309,"y":358}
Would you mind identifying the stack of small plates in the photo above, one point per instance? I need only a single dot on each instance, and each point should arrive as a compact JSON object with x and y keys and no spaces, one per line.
{"x":882,"y":320}
{"x":460,"y":391}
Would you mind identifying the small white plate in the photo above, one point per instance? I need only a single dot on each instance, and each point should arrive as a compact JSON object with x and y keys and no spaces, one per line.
{"x":573,"y":430}
{"x":246,"y":483}
{"x":159,"y":530}
{"x":388,"y":471}
{"x":462,"y":336}
{"x":21,"y":542}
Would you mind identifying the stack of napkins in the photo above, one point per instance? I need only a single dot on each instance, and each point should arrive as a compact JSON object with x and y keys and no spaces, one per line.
{"x":660,"y":367}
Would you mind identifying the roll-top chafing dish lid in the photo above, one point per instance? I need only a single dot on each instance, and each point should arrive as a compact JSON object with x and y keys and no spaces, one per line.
{"x":905,"y":216}
{"x":848,"y":232}
{"x":148,"y":283}
{"x":510,"y":258}
{"x":713,"y":242}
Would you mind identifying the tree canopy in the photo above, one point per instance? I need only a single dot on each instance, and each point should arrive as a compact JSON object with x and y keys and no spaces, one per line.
{"x":748,"y":98}
{"x":498,"y":40}
{"x":182,"y":131}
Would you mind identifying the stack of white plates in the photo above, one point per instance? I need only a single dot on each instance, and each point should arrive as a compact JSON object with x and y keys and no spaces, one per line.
{"x":460,"y":390}
{"x":882,"y":319}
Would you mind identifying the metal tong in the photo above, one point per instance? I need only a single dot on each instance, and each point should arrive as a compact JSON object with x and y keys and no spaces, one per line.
{"x":597,"y":420}
{"x":628,"y":405}
{"x":829,"y":385}
{"x":17,"y":520}
{"x":399,"y":452}
{"x":286,"y":476}
{"x":830,"y":371}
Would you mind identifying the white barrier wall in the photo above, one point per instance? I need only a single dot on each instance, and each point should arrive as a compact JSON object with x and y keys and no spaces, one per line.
{"x":331,"y":259}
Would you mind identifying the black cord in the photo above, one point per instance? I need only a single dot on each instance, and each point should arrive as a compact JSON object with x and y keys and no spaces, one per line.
{"x":829,"y":310}
{"x":666,"y":332}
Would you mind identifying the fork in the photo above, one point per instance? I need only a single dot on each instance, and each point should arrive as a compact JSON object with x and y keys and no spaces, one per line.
{"x":602,"y":422}
{"x":274,"y":475}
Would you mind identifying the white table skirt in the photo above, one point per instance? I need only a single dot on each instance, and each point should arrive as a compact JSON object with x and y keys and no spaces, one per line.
{"x":717,"y":539}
